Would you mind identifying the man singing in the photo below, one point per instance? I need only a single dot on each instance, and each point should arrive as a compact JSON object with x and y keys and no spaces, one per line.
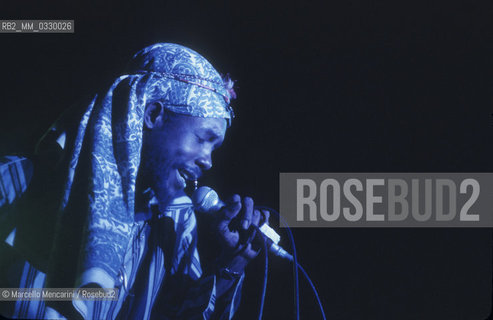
{"x":107,"y":207}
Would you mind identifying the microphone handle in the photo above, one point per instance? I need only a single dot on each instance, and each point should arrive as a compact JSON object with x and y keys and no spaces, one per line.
{"x":269,"y":234}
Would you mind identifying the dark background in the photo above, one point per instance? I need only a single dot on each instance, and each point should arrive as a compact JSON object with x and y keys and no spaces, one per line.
{"x":348,"y":86}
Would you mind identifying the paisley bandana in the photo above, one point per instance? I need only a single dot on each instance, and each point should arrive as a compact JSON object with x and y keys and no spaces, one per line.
{"x":103,"y":156}
{"x":184,"y":81}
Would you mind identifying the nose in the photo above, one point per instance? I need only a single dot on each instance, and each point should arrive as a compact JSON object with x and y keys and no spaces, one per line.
{"x":204,"y":161}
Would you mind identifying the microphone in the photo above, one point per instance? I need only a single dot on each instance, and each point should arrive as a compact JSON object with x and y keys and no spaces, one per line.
{"x":207,"y":200}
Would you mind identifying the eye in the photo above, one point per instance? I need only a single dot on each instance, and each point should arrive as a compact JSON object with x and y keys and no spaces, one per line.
{"x":200,"y":139}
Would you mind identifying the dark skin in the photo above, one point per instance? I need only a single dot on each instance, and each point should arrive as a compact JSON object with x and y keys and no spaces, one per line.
{"x":178,"y":148}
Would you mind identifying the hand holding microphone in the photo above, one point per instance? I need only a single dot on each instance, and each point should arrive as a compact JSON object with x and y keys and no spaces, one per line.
{"x":239,"y":237}
{"x":207,"y":201}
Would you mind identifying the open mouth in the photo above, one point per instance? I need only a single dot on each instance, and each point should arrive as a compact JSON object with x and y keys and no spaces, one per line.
{"x":186,"y":176}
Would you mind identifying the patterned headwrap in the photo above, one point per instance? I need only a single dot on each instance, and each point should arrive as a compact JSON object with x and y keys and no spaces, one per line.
{"x":103,"y":157}
{"x":184,"y":81}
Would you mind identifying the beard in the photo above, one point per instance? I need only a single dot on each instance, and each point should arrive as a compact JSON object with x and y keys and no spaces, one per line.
{"x":160,"y":175}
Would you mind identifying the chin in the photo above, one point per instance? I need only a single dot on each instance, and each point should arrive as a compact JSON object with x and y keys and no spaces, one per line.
{"x":172,"y":191}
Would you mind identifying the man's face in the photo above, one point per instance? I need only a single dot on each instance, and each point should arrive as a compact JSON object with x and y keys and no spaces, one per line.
{"x":177,"y":150}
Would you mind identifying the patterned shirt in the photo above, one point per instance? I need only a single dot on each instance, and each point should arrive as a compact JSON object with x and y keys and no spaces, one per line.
{"x":161,"y":277}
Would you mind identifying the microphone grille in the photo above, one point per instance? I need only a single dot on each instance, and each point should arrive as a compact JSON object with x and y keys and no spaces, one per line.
{"x":205,"y":199}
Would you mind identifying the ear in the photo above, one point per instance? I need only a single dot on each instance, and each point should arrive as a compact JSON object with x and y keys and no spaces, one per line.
{"x":154,"y":115}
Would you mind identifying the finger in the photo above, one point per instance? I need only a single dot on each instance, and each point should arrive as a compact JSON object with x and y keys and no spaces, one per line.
{"x":247,"y":213}
{"x":254,"y":224}
{"x":266,"y":215}
{"x":253,"y":231}
{"x":256,"y":217}
{"x":258,"y":242}
{"x":250,"y":234}
{"x":232,"y":207}
{"x":251,"y":252}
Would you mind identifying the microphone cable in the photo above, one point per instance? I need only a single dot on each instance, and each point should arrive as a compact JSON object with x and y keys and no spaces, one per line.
{"x":314,"y":290}
{"x":296,"y":265}
{"x":264,"y":286}
{"x":208,"y":200}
